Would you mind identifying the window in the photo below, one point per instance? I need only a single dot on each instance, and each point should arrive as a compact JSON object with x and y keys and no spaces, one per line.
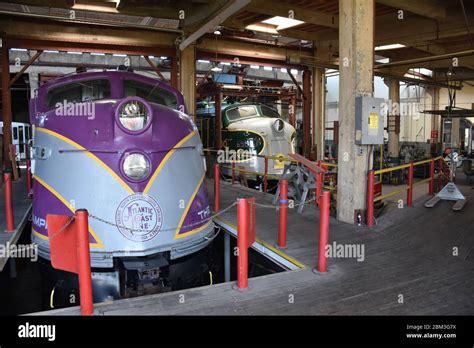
{"x":153,"y":94}
{"x":78,"y":92}
{"x":20,"y":132}
{"x":15,"y":133}
{"x":269,"y":112}
{"x":241,"y":112}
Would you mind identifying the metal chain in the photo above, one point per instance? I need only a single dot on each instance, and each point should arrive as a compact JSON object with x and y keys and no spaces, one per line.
{"x":71,"y":219}
{"x":131,"y":230}
{"x":277,"y":206}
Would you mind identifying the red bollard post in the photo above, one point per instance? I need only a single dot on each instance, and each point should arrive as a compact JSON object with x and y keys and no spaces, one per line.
{"x":233,"y":173}
{"x":217,"y":188}
{"x":7,"y":180}
{"x":323,"y":231}
{"x":370,"y":198}
{"x":84,"y":262}
{"x":432,"y":178}
{"x":410,"y":185}
{"x":283,"y":213}
{"x":265,"y":174}
{"x":242,"y":243}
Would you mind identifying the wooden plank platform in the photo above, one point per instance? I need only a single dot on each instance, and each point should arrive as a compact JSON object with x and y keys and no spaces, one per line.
{"x":417,"y":261}
{"x":21,"y":214}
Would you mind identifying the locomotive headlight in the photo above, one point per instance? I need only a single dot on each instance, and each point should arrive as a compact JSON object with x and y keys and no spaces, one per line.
{"x":278,"y":125}
{"x":136,"y":166}
{"x":133,"y":114}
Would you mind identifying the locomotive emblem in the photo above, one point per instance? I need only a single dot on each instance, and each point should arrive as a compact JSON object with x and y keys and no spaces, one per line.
{"x":139,"y":217}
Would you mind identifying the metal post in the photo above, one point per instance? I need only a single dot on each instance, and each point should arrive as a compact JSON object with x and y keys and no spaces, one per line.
{"x":323,"y":231}
{"x":28,"y":170}
{"x":217,"y":188}
{"x":283,"y":213}
{"x":7,"y":180}
{"x":370,"y":198}
{"x":410,"y":185}
{"x":265,"y":176}
{"x":319,"y":187}
{"x":242,"y":235}
{"x":432,"y":178}
{"x":84,"y":262}
{"x":226,"y":257}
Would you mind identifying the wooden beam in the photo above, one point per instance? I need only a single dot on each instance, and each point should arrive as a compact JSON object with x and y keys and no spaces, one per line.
{"x":26,"y":66}
{"x":217,"y":19}
{"x":425,"y":8}
{"x":283,"y":9}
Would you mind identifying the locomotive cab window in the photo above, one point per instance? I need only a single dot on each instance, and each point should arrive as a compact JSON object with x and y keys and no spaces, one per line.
{"x":77,"y":92}
{"x":153,"y":94}
{"x":269,"y":112}
{"x":241,"y":112}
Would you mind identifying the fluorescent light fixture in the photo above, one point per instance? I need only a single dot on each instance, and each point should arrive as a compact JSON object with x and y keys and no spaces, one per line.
{"x":256,"y":67}
{"x":46,"y":51}
{"x":119,"y":55}
{"x":97,"y":54}
{"x":19,"y":49}
{"x":216,"y":69}
{"x":163,"y":57}
{"x":388,"y":47}
{"x":282,"y":22}
{"x":225,"y":63}
{"x":267,"y":68}
{"x":294,"y":71}
{"x":283,"y":70}
{"x":217,"y":32}
{"x":383,"y":60}
{"x":203,"y":61}
{"x":72,"y":52}
{"x":264,"y":28}
{"x":97,"y":8}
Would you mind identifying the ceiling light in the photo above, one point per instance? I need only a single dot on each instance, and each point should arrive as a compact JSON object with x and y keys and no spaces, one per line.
{"x":72,"y":52}
{"x":282,"y":22}
{"x":267,"y":68}
{"x":225,"y":63}
{"x":388,"y":47}
{"x":217,"y":32}
{"x":254,"y":67}
{"x":98,"y":8}
{"x":203,"y":61}
{"x":97,"y":54}
{"x":19,"y":49}
{"x":46,"y":51}
{"x":294,"y":71}
{"x":216,"y":68}
{"x":163,"y":57}
{"x":119,"y":55}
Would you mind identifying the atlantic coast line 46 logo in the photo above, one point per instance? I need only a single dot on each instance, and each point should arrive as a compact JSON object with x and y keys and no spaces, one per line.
{"x":139,"y":217}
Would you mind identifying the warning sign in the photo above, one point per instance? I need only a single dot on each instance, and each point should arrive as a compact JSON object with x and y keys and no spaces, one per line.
{"x":374,"y":120}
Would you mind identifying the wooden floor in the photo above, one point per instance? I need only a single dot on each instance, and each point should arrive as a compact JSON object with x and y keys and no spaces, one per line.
{"x":21,"y":214}
{"x":409,"y":268}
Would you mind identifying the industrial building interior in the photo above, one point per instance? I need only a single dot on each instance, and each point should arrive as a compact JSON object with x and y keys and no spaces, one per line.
{"x":371,"y":105}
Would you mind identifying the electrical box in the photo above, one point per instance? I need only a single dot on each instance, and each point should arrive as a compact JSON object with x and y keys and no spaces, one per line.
{"x":368,"y":121}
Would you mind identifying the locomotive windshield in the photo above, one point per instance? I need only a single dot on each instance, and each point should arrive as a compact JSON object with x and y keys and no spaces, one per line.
{"x":153,"y":94}
{"x":247,"y":111}
{"x":78,"y":92}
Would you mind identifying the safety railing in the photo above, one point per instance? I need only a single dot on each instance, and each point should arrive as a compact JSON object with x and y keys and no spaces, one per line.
{"x":231,"y":166}
{"x":408,"y":188}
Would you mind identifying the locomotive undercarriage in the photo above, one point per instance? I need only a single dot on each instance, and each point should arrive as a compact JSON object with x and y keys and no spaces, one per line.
{"x":130,"y":277}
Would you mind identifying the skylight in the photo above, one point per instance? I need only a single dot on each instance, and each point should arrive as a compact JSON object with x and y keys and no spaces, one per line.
{"x":282,"y":22}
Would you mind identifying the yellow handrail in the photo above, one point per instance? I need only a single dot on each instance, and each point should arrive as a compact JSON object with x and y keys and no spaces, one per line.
{"x":403,"y":166}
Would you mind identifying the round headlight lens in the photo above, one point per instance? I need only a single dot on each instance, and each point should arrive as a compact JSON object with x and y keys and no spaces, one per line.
{"x":133,"y":115}
{"x":279,"y":125}
{"x":136,"y":166}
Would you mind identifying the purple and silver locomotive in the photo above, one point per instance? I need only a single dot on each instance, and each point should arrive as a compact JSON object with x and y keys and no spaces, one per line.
{"x":121,"y":145}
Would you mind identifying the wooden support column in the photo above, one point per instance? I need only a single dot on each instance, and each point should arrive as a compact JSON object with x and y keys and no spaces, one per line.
{"x":306,"y":113}
{"x":356,"y":53}
{"x":393,"y":121}
{"x":187,"y":76}
{"x":7,"y":106}
{"x":174,"y":72}
{"x":318,"y":119}
{"x":217,"y":121}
